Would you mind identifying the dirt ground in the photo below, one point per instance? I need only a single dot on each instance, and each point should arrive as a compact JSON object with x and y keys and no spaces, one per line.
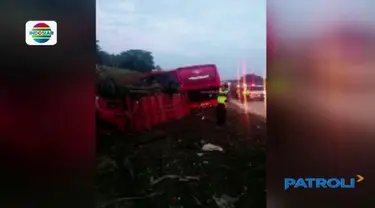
{"x":166,"y":167}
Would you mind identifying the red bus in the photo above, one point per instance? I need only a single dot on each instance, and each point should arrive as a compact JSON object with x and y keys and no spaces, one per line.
{"x":195,"y":81}
{"x":163,"y":78}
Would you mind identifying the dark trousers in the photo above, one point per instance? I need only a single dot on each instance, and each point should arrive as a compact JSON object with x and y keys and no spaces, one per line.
{"x":221,"y":114}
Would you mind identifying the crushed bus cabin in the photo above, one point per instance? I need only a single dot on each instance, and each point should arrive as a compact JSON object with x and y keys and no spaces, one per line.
{"x":196,"y":81}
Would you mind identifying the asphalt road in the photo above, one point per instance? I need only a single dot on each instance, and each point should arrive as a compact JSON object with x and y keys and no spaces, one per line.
{"x":255,"y":107}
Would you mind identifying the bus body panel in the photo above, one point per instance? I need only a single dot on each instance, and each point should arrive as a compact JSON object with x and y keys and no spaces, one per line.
{"x":199,"y":78}
{"x":193,"y":80}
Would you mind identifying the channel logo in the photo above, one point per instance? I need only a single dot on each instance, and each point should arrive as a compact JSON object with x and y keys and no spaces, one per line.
{"x":40,"y":33}
{"x":322,"y":183}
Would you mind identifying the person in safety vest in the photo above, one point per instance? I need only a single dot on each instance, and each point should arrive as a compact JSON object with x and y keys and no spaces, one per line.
{"x":221,"y":109}
{"x":247,"y":92}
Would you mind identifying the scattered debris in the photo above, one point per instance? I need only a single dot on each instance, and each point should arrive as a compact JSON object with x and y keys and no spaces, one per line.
{"x":202,"y":141}
{"x":106,"y":165}
{"x":181,"y":178}
{"x":129,"y":198}
{"x":154,"y":137}
{"x":225,"y":201}
{"x":197,"y":200}
{"x":226,"y":167}
{"x":177,"y":160}
{"x":212,"y":147}
{"x":129,"y":167}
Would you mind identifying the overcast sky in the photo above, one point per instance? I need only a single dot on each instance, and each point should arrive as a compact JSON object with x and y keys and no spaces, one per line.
{"x":305,"y":18}
{"x":180,"y":33}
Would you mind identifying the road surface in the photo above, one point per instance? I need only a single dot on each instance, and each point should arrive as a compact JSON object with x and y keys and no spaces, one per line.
{"x":255,"y":107}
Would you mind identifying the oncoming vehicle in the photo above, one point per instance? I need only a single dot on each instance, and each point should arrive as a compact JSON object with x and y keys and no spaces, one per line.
{"x":250,"y":93}
{"x":251,"y":88}
{"x":198,"y":81}
{"x":257,"y":93}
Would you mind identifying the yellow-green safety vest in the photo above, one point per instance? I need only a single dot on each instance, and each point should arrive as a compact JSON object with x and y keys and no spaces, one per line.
{"x":247,"y":92}
{"x":222,"y":98}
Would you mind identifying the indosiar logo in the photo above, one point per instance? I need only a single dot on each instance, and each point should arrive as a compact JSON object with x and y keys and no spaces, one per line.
{"x":325,"y":183}
{"x":39,"y":33}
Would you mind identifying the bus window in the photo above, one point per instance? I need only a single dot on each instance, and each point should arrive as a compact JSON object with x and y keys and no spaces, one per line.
{"x":166,"y":79}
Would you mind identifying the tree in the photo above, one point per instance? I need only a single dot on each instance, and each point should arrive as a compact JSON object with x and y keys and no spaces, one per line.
{"x":134,"y":59}
{"x":157,"y":67}
{"x":137,"y":60}
{"x":97,"y":47}
{"x":98,"y":53}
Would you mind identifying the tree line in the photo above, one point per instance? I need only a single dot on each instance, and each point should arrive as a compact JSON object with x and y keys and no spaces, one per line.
{"x":133,"y":59}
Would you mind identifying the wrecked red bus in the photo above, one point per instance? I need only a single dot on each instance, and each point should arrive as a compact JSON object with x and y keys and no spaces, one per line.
{"x":163,"y":78}
{"x":197,"y":79}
